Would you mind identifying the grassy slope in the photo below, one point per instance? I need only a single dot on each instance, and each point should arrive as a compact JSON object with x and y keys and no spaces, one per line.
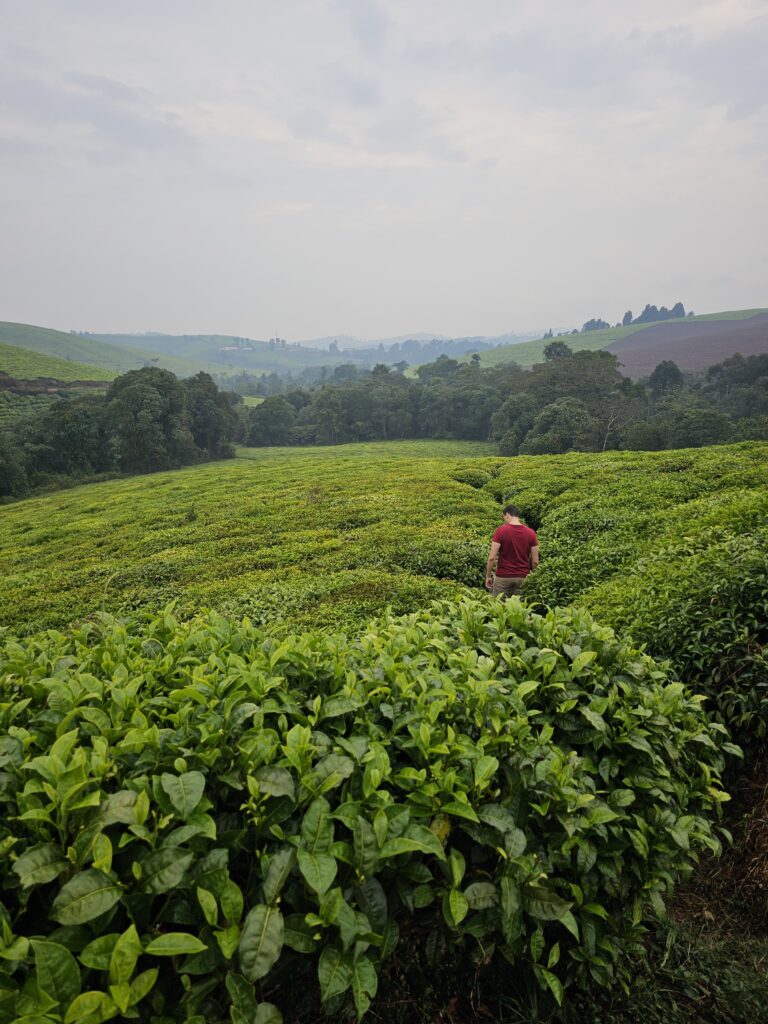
{"x":184,"y":355}
{"x":26,"y":364}
{"x":733,"y":314}
{"x":65,"y":346}
{"x":530,"y":352}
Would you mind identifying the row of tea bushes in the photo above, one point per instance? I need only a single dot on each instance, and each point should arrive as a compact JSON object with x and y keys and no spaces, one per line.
{"x":329,"y":537}
{"x":672,"y":549}
{"x":309,"y":538}
{"x":703,"y":604}
{"x":197,"y":814}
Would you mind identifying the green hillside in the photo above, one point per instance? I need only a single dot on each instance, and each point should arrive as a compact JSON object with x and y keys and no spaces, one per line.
{"x":733,"y":314}
{"x":529,"y":352}
{"x":14,"y":407}
{"x":86,"y":350}
{"x":27,"y":364}
{"x":227,"y":354}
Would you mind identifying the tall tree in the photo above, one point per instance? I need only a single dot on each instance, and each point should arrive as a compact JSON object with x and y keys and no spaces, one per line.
{"x":666,"y":377}
{"x":13,"y":477}
{"x":213,"y":420}
{"x":272,"y":422}
{"x":149,"y":421}
{"x":563,"y":426}
{"x":557,"y":350}
{"x":69,"y":438}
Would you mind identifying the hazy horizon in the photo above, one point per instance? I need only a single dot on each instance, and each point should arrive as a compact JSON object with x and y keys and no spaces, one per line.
{"x":293,"y":170}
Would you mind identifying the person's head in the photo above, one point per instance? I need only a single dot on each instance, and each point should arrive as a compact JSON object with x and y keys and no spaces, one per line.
{"x":510,"y":513}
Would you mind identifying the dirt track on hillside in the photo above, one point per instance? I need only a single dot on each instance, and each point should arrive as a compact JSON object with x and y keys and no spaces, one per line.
{"x":693,"y":346}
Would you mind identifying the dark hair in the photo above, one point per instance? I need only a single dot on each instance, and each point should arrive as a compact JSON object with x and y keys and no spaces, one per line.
{"x":511,"y":510}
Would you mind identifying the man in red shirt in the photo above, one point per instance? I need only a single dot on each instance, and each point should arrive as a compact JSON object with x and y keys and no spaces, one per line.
{"x":517,"y":548}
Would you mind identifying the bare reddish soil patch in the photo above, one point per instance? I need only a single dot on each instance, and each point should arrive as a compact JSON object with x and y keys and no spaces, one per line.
{"x":693,"y":346}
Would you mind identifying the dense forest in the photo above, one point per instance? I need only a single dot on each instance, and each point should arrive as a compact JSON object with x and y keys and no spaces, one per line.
{"x":571,"y":402}
{"x":147,"y":420}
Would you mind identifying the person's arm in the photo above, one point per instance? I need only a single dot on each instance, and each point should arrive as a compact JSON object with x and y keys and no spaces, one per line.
{"x":492,"y":556}
{"x":534,"y":554}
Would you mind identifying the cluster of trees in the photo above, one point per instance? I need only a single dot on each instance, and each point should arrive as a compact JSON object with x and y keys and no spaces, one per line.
{"x":571,"y":402}
{"x":448,"y":399}
{"x":652,"y":314}
{"x":729,"y":403}
{"x":147,"y":420}
{"x":416,"y":351}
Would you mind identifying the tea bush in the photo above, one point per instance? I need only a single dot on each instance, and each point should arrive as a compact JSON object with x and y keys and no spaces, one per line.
{"x":703,"y":603}
{"x":194,"y":812}
{"x":672,"y":549}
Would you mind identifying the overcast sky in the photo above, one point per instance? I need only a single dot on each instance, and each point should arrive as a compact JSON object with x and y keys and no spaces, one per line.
{"x":308,"y":167}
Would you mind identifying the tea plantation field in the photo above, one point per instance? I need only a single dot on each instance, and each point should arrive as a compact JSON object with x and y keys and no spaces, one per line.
{"x":326,"y":536}
{"x":13,"y":407}
{"x":215,"y":819}
{"x":25,"y":364}
{"x":301,"y":537}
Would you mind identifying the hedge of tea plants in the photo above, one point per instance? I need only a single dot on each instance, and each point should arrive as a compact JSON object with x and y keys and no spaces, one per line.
{"x":201,"y":817}
{"x":703,"y":604}
{"x":326,"y":538}
{"x":672,"y":549}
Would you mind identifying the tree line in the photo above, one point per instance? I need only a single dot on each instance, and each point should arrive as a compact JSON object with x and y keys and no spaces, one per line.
{"x":147,"y":420}
{"x":650,"y":314}
{"x":573,"y":401}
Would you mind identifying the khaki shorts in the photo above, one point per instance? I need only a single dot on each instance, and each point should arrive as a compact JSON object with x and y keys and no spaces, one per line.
{"x":507,"y":586}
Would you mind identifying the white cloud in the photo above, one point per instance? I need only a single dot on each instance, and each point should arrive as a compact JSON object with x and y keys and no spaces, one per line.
{"x":375,"y":168}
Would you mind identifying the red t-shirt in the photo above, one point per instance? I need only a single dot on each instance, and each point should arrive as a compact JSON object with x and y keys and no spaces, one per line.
{"x":515,"y":551}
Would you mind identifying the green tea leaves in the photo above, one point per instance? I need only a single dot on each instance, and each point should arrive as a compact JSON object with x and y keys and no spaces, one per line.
{"x":39,"y":865}
{"x":175,"y":944}
{"x":184,"y":791}
{"x":261,"y":941}
{"x":85,"y":897}
{"x":57,"y":972}
{"x":194,"y":839}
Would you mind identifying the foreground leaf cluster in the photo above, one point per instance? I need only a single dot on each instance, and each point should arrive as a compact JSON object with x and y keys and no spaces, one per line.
{"x":198,"y":814}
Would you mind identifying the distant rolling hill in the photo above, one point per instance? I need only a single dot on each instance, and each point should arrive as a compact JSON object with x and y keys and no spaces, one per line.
{"x":692,"y":342}
{"x":693,"y":345}
{"x":229,"y":354}
{"x":224,"y":353}
{"x":27,"y":365}
{"x":87,"y":350}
